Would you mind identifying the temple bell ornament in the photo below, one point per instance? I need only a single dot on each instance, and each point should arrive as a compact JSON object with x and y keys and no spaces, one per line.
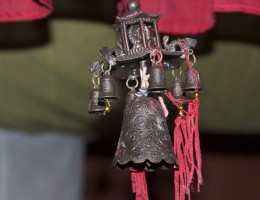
{"x":145,"y":144}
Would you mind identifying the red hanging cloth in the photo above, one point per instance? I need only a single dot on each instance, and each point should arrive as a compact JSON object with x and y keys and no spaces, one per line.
{"x":24,"y":10}
{"x":245,"y":6}
{"x":192,"y":17}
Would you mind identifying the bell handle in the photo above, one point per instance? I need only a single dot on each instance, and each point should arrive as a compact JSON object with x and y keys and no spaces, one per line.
{"x":153,"y":55}
{"x":106,"y":71}
{"x":132,"y":87}
{"x":193,"y":57}
{"x":96,"y":81}
{"x":180,"y":72}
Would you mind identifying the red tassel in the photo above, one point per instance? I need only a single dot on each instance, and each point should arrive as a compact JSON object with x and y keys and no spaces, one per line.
{"x":187,"y":143}
{"x":193,"y":122}
{"x":139,"y":185}
{"x":187,"y":149}
{"x":179,"y":148}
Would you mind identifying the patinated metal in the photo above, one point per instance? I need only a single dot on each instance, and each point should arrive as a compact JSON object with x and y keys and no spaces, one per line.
{"x":140,"y":57}
{"x":137,"y":36}
{"x":177,"y":89}
{"x":157,"y":80}
{"x":192,"y":79}
{"x":130,"y":95}
{"x":144,"y":141}
{"x":187,"y":43}
{"x":94,"y":107}
{"x":107,"y":88}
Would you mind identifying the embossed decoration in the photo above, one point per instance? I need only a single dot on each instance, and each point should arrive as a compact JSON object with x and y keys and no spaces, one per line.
{"x":177,"y":89}
{"x":135,"y":31}
{"x":192,"y":80}
{"x":144,"y":141}
{"x":188,"y":43}
{"x":95,"y":67}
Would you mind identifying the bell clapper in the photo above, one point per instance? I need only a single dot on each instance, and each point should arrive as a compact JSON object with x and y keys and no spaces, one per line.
{"x":181,"y":113}
{"x":107,"y":107}
{"x":197,"y":96}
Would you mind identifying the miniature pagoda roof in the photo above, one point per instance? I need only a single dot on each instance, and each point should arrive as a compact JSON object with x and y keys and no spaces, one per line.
{"x":135,"y":17}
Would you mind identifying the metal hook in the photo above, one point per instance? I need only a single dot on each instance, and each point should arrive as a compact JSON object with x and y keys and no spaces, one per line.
{"x":133,"y":87}
{"x":153,"y":55}
{"x":193,"y":56}
{"x":180,"y":72}
{"x":107,"y":71}
{"x":96,"y":84}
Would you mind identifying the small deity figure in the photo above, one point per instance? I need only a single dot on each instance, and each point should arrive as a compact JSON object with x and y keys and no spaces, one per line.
{"x":135,"y":36}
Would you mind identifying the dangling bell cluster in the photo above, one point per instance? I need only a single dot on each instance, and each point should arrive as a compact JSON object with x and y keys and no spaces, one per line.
{"x":142,"y":60}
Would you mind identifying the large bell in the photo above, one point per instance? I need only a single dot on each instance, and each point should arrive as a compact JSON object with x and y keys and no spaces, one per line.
{"x":157,"y":80}
{"x":144,"y":142}
{"x":107,"y":88}
{"x":94,"y":108}
{"x":177,"y":89}
{"x":192,"y":81}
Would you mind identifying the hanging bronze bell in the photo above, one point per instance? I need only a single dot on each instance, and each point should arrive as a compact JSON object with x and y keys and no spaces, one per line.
{"x":177,"y":89}
{"x":107,"y":88}
{"x":94,"y":107}
{"x":157,"y":80}
{"x":192,"y":80}
{"x":144,"y":142}
{"x":130,"y":95}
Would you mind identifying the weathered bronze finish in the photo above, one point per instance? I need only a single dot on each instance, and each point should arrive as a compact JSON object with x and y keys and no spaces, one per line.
{"x":144,"y":142}
{"x":135,"y":31}
{"x":130,"y":96}
{"x":94,"y":108}
{"x":157,"y":81}
{"x":177,"y":89}
{"x":107,"y":88}
{"x":192,"y":80}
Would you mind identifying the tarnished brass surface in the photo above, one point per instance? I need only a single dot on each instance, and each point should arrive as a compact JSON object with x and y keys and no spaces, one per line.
{"x":107,"y":88}
{"x":144,"y":141}
{"x":157,"y":81}
{"x":192,"y":79}
{"x":93,"y":107}
{"x":177,"y":88}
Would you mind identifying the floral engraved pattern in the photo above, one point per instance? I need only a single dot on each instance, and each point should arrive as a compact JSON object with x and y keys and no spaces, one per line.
{"x":144,"y":137}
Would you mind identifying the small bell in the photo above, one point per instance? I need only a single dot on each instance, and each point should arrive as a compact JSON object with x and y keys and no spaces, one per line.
{"x":94,"y":108}
{"x":144,"y":143}
{"x":177,"y":89}
{"x":192,"y":81}
{"x":107,"y":88}
{"x":157,"y":80}
{"x":130,"y":95}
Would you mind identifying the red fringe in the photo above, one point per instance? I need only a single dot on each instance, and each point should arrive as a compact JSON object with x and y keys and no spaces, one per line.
{"x":187,"y":149}
{"x":193,"y":119}
{"x":139,"y":185}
